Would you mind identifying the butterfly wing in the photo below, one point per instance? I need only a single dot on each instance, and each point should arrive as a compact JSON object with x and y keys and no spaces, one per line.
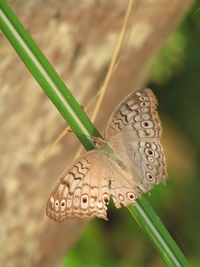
{"x":84,"y":189}
{"x":122,"y":188}
{"x":137,"y":115}
{"x":81,"y":191}
{"x":134,"y":131}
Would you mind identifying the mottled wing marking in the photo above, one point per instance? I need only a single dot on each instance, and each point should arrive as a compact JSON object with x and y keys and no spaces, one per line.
{"x":148,"y":164}
{"x":134,"y":131}
{"x":84,"y":190}
{"x":136,"y":114}
{"x":81,"y":191}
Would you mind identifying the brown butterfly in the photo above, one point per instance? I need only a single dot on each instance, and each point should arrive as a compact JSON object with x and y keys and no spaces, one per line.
{"x":126,"y":164}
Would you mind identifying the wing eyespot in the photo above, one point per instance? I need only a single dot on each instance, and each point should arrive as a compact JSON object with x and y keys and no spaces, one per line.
{"x":147,"y":144}
{"x":150,"y":159}
{"x":144,"y":104}
{"x":63,"y":203}
{"x":145,"y":110}
{"x":130,"y":196}
{"x":142,"y":98}
{"x":56,"y":203}
{"x":106,"y":199}
{"x":149,"y":152}
{"x":84,"y":199}
{"x":121,"y":197}
{"x":149,"y":167}
{"x":147,"y":124}
{"x":149,"y":176}
{"x":145,"y":117}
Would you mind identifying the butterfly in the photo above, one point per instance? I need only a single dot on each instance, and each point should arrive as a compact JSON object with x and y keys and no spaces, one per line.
{"x":128,"y":163}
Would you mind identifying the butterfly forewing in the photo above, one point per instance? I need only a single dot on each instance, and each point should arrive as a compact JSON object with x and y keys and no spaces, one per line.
{"x":81,"y":190}
{"x":136,"y":114}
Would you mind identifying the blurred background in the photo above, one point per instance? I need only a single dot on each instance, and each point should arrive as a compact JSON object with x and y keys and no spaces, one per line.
{"x":160,"y":51}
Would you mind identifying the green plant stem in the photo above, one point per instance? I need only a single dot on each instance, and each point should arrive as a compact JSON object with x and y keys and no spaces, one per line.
{"x":59,"y":94}
{"x":158,"y":234}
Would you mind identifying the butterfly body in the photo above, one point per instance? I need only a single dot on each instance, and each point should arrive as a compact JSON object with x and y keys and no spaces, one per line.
{"x":112,"y":155}
{"x":127,"y":164}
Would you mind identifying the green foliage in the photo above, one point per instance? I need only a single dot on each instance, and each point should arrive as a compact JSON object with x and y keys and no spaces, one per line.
{"x":91,"y":240}
{"x":171,"y":58}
